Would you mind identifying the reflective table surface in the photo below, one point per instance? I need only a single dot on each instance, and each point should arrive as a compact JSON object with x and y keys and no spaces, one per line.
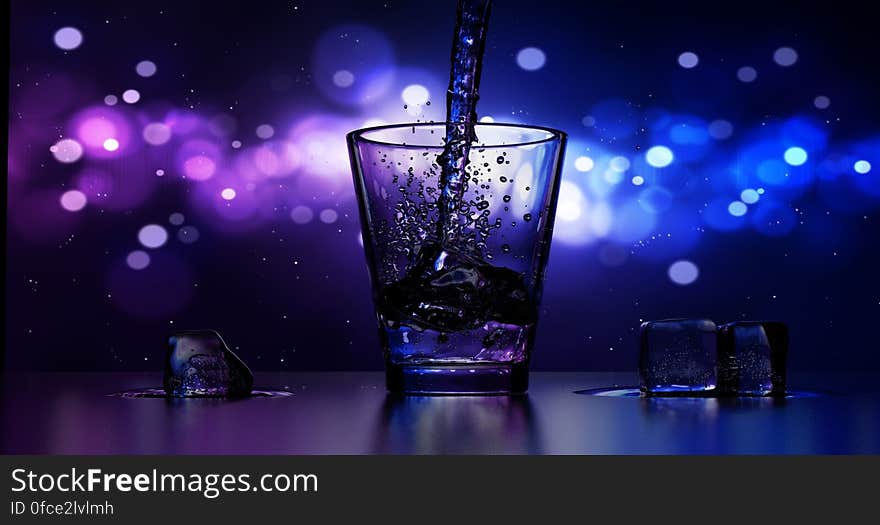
{"x":350,"y":413}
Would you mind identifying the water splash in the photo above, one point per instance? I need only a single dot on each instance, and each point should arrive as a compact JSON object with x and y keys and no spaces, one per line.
{"x":468,"y":45}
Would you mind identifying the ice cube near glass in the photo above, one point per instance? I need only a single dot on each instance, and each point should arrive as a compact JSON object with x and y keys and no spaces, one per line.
{"x":678,"y":357}
{"x":751,"y":358}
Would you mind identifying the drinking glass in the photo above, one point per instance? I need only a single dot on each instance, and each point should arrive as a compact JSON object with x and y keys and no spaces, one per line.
{"x":457,"y":287}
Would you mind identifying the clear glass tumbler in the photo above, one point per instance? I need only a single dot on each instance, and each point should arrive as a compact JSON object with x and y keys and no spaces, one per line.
{"x":457,"y":284}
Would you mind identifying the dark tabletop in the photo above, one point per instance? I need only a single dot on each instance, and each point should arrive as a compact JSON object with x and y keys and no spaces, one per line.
{"x":350,"y":413}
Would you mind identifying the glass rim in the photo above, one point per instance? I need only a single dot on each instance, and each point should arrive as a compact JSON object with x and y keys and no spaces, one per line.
{"x":357,"y":135}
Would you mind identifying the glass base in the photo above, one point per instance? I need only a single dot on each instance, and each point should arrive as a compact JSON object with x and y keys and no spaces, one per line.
{"x":441,"y":379}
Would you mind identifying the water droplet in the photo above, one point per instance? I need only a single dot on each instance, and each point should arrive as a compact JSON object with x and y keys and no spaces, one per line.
{"x":505,"y":248}
{"x":500,"y":160}
{"x":506,"y":198}
{"x":527,"y":217}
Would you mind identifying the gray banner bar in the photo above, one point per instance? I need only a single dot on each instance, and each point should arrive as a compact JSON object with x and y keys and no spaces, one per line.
{"x":243,"y":489}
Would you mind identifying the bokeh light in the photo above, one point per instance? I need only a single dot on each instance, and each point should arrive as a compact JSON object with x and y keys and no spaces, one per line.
{"x":785,"y":56}
{"x":688,"y":60}
{"x":720,"y":129}
{"x":73,"y":200}
{"x":415,"y":95}
{"x":228,"y":194}
{"x":68,"y":38}
{"x":583,"y":164}
{"x":747,"y":74}
{"x":862,"y":166}
{"x":795,"y":156}
{"x":531,"y":58}
{"x":737,"y":208}
{"x":157,"y":133}
{"x":176,"y":219}
{"x":111,"y":144}
{"x":749,"y":196}
{"x":265,"y":131}
{"x":301,"y":214}
{"x":343,"y":78}
{"x":145,"y":68}
{"x":659,"y":156}
{"x":66,"y":151}
{"x":111,"y":100}
{"x":328,"y":216}
{"x":188,"y":234}
{"x":93,"y":126}
{"x":683,"y":272}
{"x":822,"y":102}
{"x":199,"y":167}
{"x":131,"y":96}
{"x":152,"y":236}
{"x":138,"y":260}
{"x":619,"y":164}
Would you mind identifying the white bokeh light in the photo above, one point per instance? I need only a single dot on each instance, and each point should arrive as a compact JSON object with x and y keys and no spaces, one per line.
{"x":862,"y":166}
{"x":583,"y":164}
{"x":68,"y":38}
{"x":531,"y":58}
{"x":110,"y":100}
{"x":145,"y":68}
{"x":688,"y":60}
{"x":328,"y":216}
{"x":659,"y":156}
{"x":66,"y":151}
{"x":638,"y":180}
{"x":570,"y":203}
{"x":683,"y":272}
{"x":795,"y":156}
{"x":73,"y":200}
{"x":111,"y":144}
{"x":486,"y":119}
{"x":785,"y":56}
{"x":152,"y":236}
{"x":131,"y":96}
{"x":415,"y":95}
{"x":228,"y":194}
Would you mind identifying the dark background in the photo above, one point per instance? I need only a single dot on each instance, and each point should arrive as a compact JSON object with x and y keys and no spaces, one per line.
{"x":295,"y":296}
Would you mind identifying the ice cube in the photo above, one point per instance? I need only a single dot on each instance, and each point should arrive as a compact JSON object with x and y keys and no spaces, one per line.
{"x":200,"y":364}
{"x":448,"y":290}
{"x":678,"y":356}
{"x":751,"y":358}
